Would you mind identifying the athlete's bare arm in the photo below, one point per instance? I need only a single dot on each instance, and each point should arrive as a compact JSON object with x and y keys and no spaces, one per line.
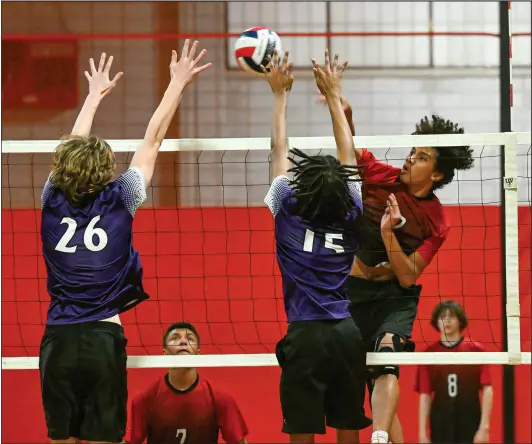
{"x":280,"y":77}
{"x":182,"y":73}
{"x":99,"y":86}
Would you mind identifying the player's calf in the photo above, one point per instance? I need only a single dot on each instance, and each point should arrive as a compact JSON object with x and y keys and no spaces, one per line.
{"x":386,"y":390}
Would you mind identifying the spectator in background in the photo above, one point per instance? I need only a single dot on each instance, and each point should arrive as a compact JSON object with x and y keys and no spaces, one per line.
{"x":182,"y":408}
{"x":450,"y":394}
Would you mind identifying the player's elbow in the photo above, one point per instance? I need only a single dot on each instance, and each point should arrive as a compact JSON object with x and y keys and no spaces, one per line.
{"x":407,"y":280}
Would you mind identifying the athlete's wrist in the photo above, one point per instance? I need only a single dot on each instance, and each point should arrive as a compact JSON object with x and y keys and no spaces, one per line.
{"x":93,"y":99}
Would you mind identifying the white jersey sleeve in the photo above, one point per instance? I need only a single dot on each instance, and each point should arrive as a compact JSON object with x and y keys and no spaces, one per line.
{"x":279,"y":190}
{"x":46,"y":192}
{"x":355,"y":190}
{"x":132,"y":188}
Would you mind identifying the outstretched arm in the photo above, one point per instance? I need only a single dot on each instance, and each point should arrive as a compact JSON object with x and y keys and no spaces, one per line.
{"x":328,"y":82}
{"x":99,"y":86}
{"x":348,"y":111}
{"x":182,"y":73}
{"x":280,"y":77}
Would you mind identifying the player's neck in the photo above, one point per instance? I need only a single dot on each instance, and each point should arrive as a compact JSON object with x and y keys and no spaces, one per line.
{"x":420,"y":190}
{"x":450,"y":340}
{"x":182,"y":378}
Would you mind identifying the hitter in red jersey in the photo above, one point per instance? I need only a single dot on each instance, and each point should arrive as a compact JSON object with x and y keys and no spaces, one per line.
{"x":401,"y":229}
{"x":450,"y":394}
{"x":182,"y":407}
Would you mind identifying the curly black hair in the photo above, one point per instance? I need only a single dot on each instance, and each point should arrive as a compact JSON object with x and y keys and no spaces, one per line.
{"x":448,"y":158}
{"x":454,"y":308}
{"x":320,"y":188}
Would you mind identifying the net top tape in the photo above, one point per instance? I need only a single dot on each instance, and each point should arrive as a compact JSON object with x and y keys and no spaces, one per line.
{"x":269,"y":360}
{"x":303,"y":143}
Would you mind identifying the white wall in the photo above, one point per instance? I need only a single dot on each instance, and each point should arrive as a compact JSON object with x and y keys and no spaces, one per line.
{"x":230,"y":104}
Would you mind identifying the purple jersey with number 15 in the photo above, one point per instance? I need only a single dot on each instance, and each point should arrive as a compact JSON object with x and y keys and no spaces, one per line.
{"x":314,"y":261}
{"x":94,"y":272}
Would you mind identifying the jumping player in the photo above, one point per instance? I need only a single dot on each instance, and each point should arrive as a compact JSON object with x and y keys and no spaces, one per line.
{"x":183,"y":408}
{"x":401,"y":229}
{"x":449,"y":394}
{"x":322,"y":356}
{"x":94,"y":273}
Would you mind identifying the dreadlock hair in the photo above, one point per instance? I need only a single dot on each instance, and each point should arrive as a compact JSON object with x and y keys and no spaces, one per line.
{"x":448,"y":158}
{"x":320,"y":188}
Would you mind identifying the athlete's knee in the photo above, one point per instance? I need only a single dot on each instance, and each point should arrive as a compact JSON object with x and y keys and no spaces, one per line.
{"x":388,"y":343}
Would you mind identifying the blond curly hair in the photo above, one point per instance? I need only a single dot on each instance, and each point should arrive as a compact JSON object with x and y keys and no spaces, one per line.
{"x":82,"y":166}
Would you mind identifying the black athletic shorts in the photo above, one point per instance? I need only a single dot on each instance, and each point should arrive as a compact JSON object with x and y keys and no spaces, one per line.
{"x":84,"y":381}
{"x":380,"y":307}
{"x":322,"y":378}
{"x":457,"y":427}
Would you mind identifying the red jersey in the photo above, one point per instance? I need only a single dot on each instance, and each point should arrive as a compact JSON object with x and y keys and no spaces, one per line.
{"x":426,"y":226}
{"x":163,"y":415}
{"x":455,"y":388}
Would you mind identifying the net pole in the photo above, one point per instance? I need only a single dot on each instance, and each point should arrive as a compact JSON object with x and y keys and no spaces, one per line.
{"x":505,"y":90}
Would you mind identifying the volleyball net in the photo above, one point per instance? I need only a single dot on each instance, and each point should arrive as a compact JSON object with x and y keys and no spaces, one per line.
{"x":207,"y":246}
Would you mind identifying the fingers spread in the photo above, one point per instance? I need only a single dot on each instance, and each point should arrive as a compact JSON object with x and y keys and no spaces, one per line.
{"x":184,"y":52}
{"x":102,"y":62}
{"x":285,"y":60}
{"x":343,"y":67}
{"x":192,"y":52}
{"x":89,"y":78}
{"x":200,"y":56}
{"x":108,"y":65}
{"x":202,"y":68}
{"x":93,"y":68}
{"x":290,"y":71}
{"x":117,"y":77}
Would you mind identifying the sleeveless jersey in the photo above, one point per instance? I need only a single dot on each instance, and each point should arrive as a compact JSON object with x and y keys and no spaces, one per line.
{"x":314,"y":261}
{"x":94,"y":272}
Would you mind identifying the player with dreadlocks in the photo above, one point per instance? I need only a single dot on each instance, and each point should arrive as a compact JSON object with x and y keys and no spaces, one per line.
{"x":401,"y":229}
{"x":322,"y":356}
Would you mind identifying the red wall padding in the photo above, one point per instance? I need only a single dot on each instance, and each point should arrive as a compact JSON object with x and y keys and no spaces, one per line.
{"x":216,"y":268}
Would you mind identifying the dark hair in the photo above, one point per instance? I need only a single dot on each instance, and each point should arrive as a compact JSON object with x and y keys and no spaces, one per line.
{"x":448,"y":158}
{"x":454,"y":307}
{"x":175,"y":326}
{"x":320,"y":188}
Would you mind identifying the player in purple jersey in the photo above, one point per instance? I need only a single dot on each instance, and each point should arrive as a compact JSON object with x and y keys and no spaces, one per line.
{"x":322,"y":356}
{"x":94,"y":273}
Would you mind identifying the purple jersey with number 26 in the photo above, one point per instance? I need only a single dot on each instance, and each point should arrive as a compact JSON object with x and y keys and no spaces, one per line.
{"x":314,"y":261}
{"x":93,"y":270}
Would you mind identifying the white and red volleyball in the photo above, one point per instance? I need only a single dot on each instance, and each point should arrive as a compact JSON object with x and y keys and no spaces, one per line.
{"x":253,"y":48}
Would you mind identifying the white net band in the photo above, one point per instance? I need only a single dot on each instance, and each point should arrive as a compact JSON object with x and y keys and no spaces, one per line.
{"x":512,"y":182}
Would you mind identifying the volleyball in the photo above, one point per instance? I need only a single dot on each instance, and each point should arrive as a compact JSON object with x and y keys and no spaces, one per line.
{"x":254,"y":46}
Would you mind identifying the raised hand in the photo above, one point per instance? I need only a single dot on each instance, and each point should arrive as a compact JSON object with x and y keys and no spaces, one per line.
{"x":280,"y":76}
{"x":392,"y":214}
{"x":187,"y":67}
{"x":99,"y":82}
{"x":328,"y":78}
{"x":323,"y":101}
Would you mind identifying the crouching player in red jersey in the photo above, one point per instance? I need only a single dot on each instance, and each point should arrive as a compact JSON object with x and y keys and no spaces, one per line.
{"x":449,"y":394}
{"x":183,"y":408}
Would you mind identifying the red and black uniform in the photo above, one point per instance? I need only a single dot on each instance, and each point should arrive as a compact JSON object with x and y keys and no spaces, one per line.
{"x":455,"y":389}
{"x":384,"y":306}
{"x":164,"y":415}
